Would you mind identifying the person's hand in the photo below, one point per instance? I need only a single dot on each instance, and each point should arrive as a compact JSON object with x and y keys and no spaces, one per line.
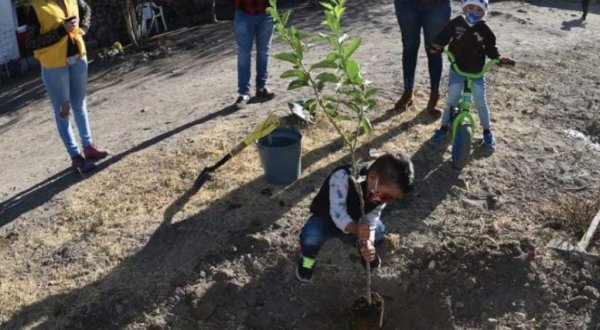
{"x":435,"y":49}
{"x":71,"y":24}
{"x":363,"y":231}
{"x":506,"y":61}
{"x":65,"y":108}
{"x":367,"y":250}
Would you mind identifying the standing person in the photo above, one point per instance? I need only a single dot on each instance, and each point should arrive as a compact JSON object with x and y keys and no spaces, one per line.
{"x":336,"y":210}
{"x":471,"y":40}
{"x":585,"y":5}
{"x":413,"y":16}
{"x":55,"y":30}
{"x":252,"y":23}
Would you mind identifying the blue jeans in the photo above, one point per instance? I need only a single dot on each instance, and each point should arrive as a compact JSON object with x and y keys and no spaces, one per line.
{"x":247,"y":29}
{"x":413,"y":16}
{"x":69,"y":85}
{"x":455,"y":86}
{"x":319,"y":229}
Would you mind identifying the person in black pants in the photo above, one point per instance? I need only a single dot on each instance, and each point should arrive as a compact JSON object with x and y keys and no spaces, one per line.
{"x":585,"y":5}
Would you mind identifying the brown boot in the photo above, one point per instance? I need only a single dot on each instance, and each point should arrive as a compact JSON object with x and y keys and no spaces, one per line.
{"x":432,"y":104}
{"x":405,"y":101}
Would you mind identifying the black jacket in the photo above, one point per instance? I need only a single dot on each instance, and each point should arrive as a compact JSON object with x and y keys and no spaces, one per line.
{"x":320,"y":204}
{"x":469,"y":44}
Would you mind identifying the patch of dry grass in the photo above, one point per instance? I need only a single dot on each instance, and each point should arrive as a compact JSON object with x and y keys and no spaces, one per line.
{"x":571,"y":214}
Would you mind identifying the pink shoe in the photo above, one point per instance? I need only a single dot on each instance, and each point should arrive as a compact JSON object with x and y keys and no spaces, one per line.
{"x":94,"y":153}
{"x":81,"y":164}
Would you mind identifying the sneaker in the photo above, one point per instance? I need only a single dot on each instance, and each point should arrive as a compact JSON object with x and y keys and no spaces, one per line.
{"x":305,"y":268}
{"x":94,"y":153}
{"x":241,"y":101}
{"x":439,"y":136}
{"x":81,"y":164}
{"x":489,"y":142}
{"x":264,"y":94}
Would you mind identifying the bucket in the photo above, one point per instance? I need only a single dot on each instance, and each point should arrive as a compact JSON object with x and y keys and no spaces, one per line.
{"x":280,"y":155}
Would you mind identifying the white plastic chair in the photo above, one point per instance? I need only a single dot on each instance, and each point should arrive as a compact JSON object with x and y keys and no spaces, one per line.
{"x":152,"y":11}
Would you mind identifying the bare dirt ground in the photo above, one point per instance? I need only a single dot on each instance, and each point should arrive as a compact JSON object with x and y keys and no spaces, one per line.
{"x":466,"y":250}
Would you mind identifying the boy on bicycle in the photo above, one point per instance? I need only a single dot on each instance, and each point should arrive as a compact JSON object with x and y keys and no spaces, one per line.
{"x":470,"y":39}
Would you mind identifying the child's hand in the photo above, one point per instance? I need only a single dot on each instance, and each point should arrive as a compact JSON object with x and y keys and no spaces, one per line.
{"x":506,"y":61}
{"x":363,"y":231}
{"x":435,"y":49}
{"x":367,"y":250}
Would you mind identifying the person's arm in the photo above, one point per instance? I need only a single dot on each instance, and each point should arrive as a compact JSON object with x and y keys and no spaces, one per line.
{"x":490,"y":44}
{"x":443,"y":38}
{"x":35,"y":40}
{"x":338,"y":193}
{"x":85,"y":15}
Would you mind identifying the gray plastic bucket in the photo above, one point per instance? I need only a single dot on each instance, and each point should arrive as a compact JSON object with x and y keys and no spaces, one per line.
{"x":280,"y":155}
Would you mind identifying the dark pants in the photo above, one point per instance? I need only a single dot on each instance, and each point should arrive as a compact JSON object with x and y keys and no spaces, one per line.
{"x":585,"y":5}
{"x":319,"y":229}
{"x":413,"y":16}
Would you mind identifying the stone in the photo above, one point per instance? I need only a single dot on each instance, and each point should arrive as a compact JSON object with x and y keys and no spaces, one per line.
{"x":579,"y":302}
{"x":591,"y":292}
{"x":202,"y":309}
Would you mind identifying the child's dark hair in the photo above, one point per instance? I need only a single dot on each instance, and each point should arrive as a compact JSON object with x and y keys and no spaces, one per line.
{"x":395,"y":169}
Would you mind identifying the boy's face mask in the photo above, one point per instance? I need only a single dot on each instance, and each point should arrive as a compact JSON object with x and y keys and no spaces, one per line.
{"x":376,"y":197}
{"x":473,"y":18}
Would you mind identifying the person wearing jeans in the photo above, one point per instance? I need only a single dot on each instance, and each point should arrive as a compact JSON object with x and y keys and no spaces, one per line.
{"x":252,"y":23}
{"x":55,"y":33}
{"x":319,"y":229}
{"x":413,"y":16}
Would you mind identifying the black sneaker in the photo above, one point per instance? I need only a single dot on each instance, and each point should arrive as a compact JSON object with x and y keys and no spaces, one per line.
{"x":264,"y":94}
{"x":241,"y":101}
{"x":305,"y":268}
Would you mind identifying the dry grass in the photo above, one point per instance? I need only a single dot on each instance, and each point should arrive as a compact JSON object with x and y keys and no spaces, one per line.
{"x":571,"y":214}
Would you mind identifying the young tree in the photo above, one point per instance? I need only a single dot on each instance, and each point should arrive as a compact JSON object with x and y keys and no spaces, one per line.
{"x":349,"y":98}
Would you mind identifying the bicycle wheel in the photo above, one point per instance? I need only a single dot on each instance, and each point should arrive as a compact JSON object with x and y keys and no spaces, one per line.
{"x":461,"y":146}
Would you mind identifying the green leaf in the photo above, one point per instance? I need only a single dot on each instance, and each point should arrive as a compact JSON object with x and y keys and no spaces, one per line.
{"x":300,"y":74}
{"x":352,"y":46}
{"x":286,"y":17}
{"x":298,"y":83}
{"x":332,"y":56}
{"x":326,"y":77}
{"x":288,"y":57}
{"x":353,"y":72}
{"x":371,"y":92}
{"x":327,"y":5}
{"x":366,"y":125}
{"x":324,"y":65}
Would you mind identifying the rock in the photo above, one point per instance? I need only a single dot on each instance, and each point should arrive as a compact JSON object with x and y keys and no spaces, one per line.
{"x":579,"y":302}
{"x":431,"y":264}
{"x":202,"y":309}
{"x":591,"y":292}
{"x":521,"y":316}
{"x":493,"y":202}
{"x":223,"y":275}
{"x":492,"y":320}
{"x":585,"y":274}
{"x":470,"y":203}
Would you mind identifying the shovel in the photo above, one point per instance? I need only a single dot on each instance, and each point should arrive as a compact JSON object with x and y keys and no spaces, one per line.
{"x":264,"y":129}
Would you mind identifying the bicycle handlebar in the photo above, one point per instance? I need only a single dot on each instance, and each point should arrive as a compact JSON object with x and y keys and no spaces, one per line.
{"x":486,"y":67}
